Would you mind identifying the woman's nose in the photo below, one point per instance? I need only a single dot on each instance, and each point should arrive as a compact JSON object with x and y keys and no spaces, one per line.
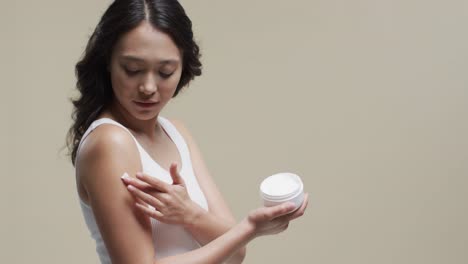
{"x":148,"y":87}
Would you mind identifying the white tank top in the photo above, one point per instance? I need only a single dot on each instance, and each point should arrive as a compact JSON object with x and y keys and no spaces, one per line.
{"x":168,"y":240}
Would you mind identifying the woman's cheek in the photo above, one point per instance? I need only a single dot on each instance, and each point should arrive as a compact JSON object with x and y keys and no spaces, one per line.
{"x":122,"y":89}
{"x":126,"y":85}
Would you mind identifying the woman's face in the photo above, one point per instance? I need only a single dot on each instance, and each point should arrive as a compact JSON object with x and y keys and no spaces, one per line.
{"x":145,"y":69}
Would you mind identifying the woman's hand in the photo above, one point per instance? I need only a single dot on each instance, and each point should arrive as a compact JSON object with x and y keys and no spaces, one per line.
{"x":171,"y":202}
{"x":275,"y":219}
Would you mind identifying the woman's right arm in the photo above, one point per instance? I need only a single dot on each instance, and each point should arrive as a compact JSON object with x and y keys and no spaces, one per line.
{"x":107,"y":154}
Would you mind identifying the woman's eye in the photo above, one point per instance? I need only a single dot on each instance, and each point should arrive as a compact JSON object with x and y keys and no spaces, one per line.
{"x":165,"y":75}
{"x":132,"y":72}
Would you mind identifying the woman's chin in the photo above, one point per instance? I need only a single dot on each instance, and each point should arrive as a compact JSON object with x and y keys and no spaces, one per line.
{"x":146,"y":115}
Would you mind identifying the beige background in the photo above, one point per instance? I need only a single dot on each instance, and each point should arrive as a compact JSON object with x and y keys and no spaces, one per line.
{"x":365,"y":99}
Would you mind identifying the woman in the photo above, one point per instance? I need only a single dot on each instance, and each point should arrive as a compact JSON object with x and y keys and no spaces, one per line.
{"x":140,"y":56}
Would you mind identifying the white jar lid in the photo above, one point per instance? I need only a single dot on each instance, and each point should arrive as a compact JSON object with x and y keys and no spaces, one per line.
{"x":281,"y":186}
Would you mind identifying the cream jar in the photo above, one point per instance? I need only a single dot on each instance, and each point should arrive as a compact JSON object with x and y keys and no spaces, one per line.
{"x":282,"y":187}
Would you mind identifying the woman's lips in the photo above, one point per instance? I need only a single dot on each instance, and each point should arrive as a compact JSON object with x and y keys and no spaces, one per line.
{"x":146,"y":105}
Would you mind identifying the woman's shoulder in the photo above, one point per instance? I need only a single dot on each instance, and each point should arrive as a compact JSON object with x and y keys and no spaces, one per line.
{"x":181,"y":128}
{"x":105,"y":138}
{"x":105,"y":147}
{"x":188,"y":139}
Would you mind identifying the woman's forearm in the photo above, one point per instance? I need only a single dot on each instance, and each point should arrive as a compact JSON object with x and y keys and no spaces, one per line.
{"x":218,"y":250}
{"x":206,"y":227}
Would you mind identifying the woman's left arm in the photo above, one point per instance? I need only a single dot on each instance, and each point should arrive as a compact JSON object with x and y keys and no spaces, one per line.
{"x":209,"y":224}
{"x":204,"y":225}
{"x":219,"y":219}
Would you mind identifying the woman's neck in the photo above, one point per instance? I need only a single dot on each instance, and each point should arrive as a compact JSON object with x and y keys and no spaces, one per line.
{"x":150,"y":129}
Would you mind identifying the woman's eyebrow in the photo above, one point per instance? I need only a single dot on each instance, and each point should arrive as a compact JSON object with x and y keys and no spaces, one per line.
{"x":135,"y":58}
{"x":132,"y":58}
{"x":169,"y":61}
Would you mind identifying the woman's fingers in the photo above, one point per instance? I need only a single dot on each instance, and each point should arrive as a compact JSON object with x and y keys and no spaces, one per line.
{"x":154,"y":182}
{"x":138,"y":200}
{"x":149,"y":199}
{"x":149,"y":211}
{"x":135,"y":182}
{"x":176,"y":178}
{"x":269,"y":213}
{"x":283,"y":209}
{"x":300,"y":211}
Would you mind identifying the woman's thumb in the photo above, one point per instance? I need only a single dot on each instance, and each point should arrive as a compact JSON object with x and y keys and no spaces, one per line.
{"x":176,"y":178}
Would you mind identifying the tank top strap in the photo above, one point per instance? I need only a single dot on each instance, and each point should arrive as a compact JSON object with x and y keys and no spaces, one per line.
{"x":178,"y":140}
{"x":106,"y":120}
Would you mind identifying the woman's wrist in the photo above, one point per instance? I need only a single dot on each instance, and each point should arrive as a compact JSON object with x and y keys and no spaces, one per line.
{"x":194,"y":215}
{"x":200,"y":219}
{"x":247,"y":228}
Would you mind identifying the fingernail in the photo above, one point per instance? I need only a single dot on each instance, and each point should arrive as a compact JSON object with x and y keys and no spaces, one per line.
{"x":139,"y":174}
{"x":125,"y":176}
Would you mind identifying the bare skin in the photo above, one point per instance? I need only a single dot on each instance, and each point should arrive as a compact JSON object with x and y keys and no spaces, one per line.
{"x":145,"y":66}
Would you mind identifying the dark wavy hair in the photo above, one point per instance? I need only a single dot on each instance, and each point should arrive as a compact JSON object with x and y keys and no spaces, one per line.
{"x":93,"y":78}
